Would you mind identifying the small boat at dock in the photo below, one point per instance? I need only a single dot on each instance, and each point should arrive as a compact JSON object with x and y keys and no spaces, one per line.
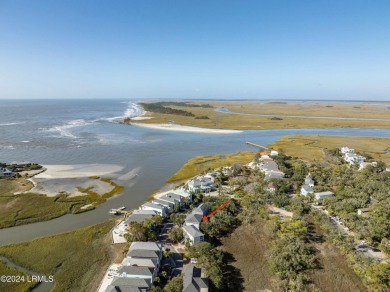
{"x":117,"y":211}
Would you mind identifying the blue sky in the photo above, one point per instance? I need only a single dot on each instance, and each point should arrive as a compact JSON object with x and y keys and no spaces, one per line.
{"x":265,"y":49}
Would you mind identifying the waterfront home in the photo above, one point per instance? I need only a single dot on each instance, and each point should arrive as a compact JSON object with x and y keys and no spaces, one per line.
{"x":274,"y":153}
{"x":193,"y":279}
{"x":173,"y":198}
{"x":161,"y":210}
{"x":144,"y":254}
{"x":306,"y":190}
{"x":187,"y":197}
{"x":193,"y":234}
{"x":136,"y":272}
{"x":5,"y":172}
{"x":150,"y":212}
{"x":165,"y":204}
{"x":141,"y":245}
{"x":141,"y":262}
{"x":201,"y":184}
{"x":322,"y":195}
{"x":309,"y":180}
{"x":139,"y":218}
{"x":202,"y":209}
{"x":128,"y":284}
{"x":193,"y":219}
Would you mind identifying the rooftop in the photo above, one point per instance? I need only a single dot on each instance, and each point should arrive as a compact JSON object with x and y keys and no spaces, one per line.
{"x":140,"y":245}
{"x":193,"y":231}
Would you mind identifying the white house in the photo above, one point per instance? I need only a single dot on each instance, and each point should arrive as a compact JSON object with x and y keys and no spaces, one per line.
{"x":165,"y":204}
{"x":309,"y":180}
{"x":5,"y":172}
{"x":201,"y":184}
{"x":193,"y":234}
{"x":306,"y":190}
{"x":274,"y":153}
{"x":345,"y":150}
{"x":320,"y":196}
{"x":161,"y":210}
{"x":175,"y":199}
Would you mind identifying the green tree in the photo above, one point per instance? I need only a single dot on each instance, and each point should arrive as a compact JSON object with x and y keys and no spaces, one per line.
{"x":174,"y":285}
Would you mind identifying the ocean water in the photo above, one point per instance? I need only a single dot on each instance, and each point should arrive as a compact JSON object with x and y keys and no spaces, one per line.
{"x":88,"y":132}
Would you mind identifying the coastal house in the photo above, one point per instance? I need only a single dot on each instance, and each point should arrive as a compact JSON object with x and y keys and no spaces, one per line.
{"x":202,"y":209}
{"x":309,"y":180}
{"x":351,"y":157}
{"x":306,"y":190}
{"x":193,"y":280}
{"x":146,"y":212}
{"x":128,"y":284}
{"x":141,"y":262}
{"x":345,"y":150}
{"x":139,"y":218}
{"x":193,"y":219}
{"x":201,"y":184}
{"x":5,"y":172}
{"x":274,"y":153}
{"x":161,"y":210}
{"x":187,"y":197}
{"x":270,"y":168}
{"x":322,"y":195}
{"x":192,"y":233}
{"x":175,"y":199}
{"x":136,"y":272}
{"x":273,"y":175}
{"x":165,"y":204}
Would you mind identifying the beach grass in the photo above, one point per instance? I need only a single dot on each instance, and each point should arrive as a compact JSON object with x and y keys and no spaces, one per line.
{"x":76,"y":259}
{"x":312,"y":148}
{"x":199,"y":164}
{"x":216,"y":120}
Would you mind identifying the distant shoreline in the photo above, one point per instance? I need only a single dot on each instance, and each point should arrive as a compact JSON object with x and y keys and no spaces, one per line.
{"x":188,"y":129}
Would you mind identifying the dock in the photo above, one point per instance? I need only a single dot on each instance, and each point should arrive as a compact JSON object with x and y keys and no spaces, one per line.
{"x":256,"y":145}
{"x":118,"y":211}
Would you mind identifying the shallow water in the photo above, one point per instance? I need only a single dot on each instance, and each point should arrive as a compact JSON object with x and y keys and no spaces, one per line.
{"x":96,"y":137}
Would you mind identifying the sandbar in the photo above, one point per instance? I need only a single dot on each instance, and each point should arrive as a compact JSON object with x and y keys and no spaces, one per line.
{"x":189,"y":129}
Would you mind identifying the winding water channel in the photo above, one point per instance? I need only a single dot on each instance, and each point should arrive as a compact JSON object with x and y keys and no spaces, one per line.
{"x":155,"y":154}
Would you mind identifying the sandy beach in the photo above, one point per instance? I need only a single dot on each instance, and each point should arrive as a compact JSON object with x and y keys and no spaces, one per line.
{"x":189,"y":129}
{"x":70,"y":178}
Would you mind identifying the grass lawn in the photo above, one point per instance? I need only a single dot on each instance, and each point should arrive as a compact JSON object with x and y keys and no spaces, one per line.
{"x":239,"y":122}
{"x":311,"y":148}
{"x":200,"y":164}
{"x":77,"y":259}
{"x":29,"y":207}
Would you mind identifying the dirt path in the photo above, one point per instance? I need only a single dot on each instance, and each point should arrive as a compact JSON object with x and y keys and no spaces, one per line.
{"x":248,"y":245}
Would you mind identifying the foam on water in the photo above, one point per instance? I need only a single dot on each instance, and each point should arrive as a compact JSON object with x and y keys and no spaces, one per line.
{"x":65,"y":130}
{"x":10,"y":124}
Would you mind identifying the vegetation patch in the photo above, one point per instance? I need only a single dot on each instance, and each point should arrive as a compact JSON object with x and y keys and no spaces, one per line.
{"x":200,"y":164}
{"x":14,"y":286}
{"x":76,"y":259}
{"x":314,"y":148}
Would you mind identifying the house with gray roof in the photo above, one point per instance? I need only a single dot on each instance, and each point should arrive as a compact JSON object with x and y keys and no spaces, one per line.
{"x":145,"y":212}
{"x":192,"y":233}
{"x":306,"y":190}
{"x":320,"y":196}
{"x":309,"y":180}
{"x":136,"y":272}
{"x":193,"y":219}
{"x":184,"y":194}
{"x":140,"y":245}
{"x":201,"y":184}
{"x":193,"y":280}
{"x":139,"y":218}
{"x":163,"y":203}
{"x":128,"y":285}
{"x":141,"y":262}
{"x":5,"y":172}
{"x":145,"y":254}
{"x":273,"y":175}
{"x":202,"y":209}
{"x":161,"y":210}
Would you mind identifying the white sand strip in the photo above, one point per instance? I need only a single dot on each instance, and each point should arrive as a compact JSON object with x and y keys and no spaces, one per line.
{"x":78,"y":170}
{"x":189,"y":129}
